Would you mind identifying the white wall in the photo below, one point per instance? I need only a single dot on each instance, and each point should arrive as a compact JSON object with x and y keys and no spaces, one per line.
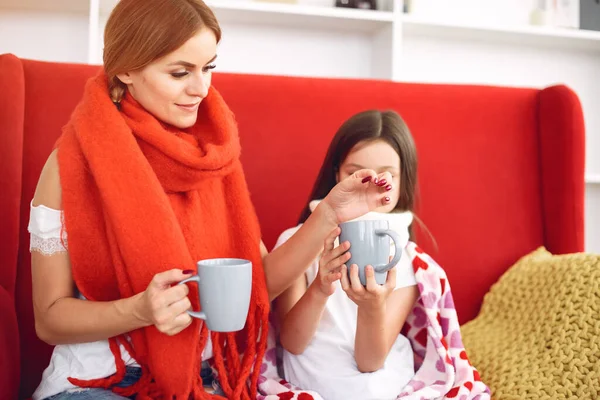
{"x":49,"y":36}
{"x":592,"y":229}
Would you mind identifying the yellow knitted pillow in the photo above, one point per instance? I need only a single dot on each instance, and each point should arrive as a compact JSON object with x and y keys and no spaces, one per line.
{"x":538,"y":333}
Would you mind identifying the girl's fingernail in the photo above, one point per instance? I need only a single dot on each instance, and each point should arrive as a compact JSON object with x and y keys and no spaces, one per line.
{"x":188,"y":271}
{"x":382,"y":182}
{"x":388,"y":187}
{"x":367,"y":179}
{"x":376,"y":181}
{"x":387,"y":199}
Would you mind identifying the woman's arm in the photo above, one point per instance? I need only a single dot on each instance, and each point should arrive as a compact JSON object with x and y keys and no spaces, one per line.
{"x":62,"y":318}
{"x":300,"y":309}
{"x":351,"y":198}
{"x":382,"y":312}
{"x":288,"y":262}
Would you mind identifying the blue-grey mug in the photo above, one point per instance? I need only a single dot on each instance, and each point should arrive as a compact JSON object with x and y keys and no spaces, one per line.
{"x":224,"y":289}
{"x":370,"y":245}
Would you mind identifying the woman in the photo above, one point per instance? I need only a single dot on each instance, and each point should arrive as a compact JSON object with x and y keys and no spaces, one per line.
{"x":146,"y":180}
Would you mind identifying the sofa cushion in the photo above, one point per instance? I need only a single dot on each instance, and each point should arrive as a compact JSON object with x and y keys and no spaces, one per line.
{"x":538,"y":333}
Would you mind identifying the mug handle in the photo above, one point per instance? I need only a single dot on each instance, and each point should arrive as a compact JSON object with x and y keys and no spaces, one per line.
{"x":396,"y":239}
{"x":195,"y":314}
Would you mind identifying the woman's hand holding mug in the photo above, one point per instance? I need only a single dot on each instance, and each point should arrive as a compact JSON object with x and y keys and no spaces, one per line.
{"x":163,"y":305}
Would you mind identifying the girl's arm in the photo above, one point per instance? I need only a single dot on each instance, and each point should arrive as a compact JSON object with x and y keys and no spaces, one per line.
{"x":300,"y":308}
{"x":382,"y":312}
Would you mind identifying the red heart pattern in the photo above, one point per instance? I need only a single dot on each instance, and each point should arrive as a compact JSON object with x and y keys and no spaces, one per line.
{"x":419,"y":264}
{"x":453,"y":392}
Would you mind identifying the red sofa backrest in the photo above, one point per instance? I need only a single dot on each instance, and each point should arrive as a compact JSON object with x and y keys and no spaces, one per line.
{"x":501,"y":171}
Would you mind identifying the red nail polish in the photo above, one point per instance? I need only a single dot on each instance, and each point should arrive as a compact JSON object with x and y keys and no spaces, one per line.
{"x":382,"y":182}
{"x":188,"y":271}
{"x":375,"y":181}
{"x":388,"y":187}
{"x":387,"y":199}
{"x":367,"y":179}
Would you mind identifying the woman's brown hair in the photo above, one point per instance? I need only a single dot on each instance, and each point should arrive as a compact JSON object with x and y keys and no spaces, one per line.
{"x":369,"y":126}
{"x":141,"y":31}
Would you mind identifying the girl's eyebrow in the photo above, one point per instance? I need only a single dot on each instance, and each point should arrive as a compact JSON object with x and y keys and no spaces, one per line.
{"x":356,"y":166}
{"x":361,"y":167}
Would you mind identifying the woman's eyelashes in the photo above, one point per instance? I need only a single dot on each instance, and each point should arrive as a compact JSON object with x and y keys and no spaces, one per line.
{"x":209,"y":67}
{"x":179,"y":75}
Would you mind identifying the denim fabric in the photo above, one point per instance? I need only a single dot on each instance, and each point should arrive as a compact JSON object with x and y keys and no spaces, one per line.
{"x":132,"y":375}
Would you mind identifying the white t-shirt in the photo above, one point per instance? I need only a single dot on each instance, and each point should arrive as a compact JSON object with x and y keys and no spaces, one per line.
{"x":327,"y":365}
{"x":84,"y":361}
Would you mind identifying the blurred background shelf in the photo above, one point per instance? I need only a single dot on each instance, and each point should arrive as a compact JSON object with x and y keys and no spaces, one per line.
{"x":522,"y":35}
{"x":300,"y":16}
{"x":593,"y":179}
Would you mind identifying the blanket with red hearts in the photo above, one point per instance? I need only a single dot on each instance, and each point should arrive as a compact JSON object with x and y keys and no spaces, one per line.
{"x":442,"y":368}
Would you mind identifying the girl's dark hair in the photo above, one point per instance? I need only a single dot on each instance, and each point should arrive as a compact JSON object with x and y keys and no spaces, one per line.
{"x":369,"y":126}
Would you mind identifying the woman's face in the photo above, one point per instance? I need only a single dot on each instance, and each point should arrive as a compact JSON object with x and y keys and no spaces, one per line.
{"x":380,"y":157}
{"x":172,"y":87}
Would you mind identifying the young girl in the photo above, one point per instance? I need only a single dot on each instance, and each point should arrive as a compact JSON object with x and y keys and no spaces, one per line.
{"x":340,"y":338}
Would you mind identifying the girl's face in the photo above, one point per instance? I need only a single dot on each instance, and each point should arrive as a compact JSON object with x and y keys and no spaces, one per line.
{"x":379,"y":156}
{"x":172,"y":87}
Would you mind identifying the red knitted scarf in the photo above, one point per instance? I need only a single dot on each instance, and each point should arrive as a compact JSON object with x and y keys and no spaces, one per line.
{"x":140,"y":198}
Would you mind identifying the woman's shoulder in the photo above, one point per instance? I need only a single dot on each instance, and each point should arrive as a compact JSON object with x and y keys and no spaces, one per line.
{"x":286,"y":235}
{"x":48,"y":191}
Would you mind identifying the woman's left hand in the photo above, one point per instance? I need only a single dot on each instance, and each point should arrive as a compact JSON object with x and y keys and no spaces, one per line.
{"x":358,"y":194}
{"x":371,"y":296}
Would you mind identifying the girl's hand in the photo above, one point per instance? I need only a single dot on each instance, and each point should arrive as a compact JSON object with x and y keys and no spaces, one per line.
{"x":163,"y":305}
{"x":373,"y":296}
{"x":358,"y":194}
{"x":331,"y":263}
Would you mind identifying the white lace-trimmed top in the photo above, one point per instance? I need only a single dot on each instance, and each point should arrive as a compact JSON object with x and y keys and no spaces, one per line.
{"x":84,"y":360}
{"x":45,"y":227}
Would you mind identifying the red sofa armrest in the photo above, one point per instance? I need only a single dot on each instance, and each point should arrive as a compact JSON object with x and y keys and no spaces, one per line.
{"x":12,"y":106}
{"x":562,"y":155}
{"x":10,"y":365}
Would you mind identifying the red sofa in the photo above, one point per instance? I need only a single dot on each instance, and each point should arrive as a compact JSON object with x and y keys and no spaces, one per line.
{"x":501,"y":173}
